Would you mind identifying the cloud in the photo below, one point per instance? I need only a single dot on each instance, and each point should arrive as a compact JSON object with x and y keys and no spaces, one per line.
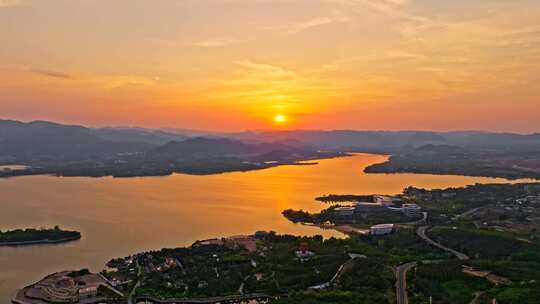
{"x":127,"y":82}
{"x":271,"y":86}
{"x":393,"y":8}
{"x":9,"y":3}
{"x":51,"y":73}
{"x":386,"y":6}
{"x":215,"y":43}
{"x":296,"y":28}
{"x":264,"y":71}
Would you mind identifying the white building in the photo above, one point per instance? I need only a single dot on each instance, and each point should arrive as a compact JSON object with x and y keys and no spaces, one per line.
{"x":344,"y":211}
{"x":366,"y":207}
{"x":381,"y":229}
{"x":411,"y":210}
{"x":383,"y":200}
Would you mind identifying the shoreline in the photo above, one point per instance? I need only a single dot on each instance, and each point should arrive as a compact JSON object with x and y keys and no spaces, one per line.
{"x":40,"y":242}
{"x":346,"y":229}
{"x":300,"y":162}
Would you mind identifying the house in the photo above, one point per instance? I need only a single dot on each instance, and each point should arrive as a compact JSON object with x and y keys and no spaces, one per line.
{"x":303,"y":253}
{"x":170,"y":262}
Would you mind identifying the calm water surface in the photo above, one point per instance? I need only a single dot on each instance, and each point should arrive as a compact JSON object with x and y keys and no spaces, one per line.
{"x":118,"y":217}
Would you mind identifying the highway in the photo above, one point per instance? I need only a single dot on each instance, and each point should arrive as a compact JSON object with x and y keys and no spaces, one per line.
{"x":421,"y":232}
{"x":401,"y":282}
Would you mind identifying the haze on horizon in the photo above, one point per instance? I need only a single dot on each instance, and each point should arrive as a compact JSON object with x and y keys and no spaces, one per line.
{"x":238,"y":64}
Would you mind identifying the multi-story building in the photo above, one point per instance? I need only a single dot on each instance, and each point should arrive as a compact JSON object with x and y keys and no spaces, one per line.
{"x":411,"y":210}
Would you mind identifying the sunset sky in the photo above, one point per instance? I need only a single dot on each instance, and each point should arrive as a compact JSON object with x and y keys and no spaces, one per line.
{"x":236,"y":64}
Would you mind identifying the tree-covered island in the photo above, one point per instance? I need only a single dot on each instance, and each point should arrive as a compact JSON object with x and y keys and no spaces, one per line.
{"x":31,"y":236}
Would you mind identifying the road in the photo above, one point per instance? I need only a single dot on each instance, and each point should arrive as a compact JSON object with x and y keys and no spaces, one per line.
{"x":401,"y":282}
{"x":137,"y":284}
{"x":467,"y":213}
{"x":421,"y":232}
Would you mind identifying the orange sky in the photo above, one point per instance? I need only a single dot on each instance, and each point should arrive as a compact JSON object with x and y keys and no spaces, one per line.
{"x":235,"y":64}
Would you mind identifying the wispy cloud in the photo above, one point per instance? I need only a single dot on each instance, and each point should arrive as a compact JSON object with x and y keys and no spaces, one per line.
{"x":298,"y":27}
{"x":264,"y":71}
{"x":216,"y":42}
{"x":50,"y":73}
{"x":386,"y":6}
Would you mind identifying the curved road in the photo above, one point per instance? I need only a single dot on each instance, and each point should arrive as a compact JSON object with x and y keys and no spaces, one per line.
{"x":421,"y":232}
{"x":401,"y":282}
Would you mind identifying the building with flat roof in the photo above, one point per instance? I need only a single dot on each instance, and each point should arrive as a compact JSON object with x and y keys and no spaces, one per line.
{"x":381,"y":229}
{"x":344,"y":211}
{"x":383,"y":200}
{"x":366,"y":207}
{"x":411,"y":210}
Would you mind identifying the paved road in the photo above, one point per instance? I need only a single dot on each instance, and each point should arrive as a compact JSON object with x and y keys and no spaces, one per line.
{"x":467,"y":213}
{"x":421,"y":232}
{"x":137,"y":285}
{"x":401,"y":282}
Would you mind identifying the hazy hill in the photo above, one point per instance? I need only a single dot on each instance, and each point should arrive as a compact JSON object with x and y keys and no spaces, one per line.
{"x":149,"y":136}
{"x":390,"y":142}
{"x":46,"y":140}
{"x":202,"y":147}
{"x":347,"y":139}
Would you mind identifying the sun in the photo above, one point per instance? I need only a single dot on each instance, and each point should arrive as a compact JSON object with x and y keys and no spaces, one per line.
{"x":280,"y":118}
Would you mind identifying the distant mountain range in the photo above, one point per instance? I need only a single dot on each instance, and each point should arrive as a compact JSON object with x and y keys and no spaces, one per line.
{"x":48,"y":140}
{"x":389,"y":142}
{"x":52,"y":148}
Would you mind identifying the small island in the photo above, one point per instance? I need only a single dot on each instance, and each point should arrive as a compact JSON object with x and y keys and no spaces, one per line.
{"x":31,"y":236}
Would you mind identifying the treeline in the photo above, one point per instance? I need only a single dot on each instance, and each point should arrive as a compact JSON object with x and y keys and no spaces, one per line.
{"x":479,"y":243}
{"x":372,"y":217}
{"x":298,"y":216}
{"x":509,"y":165}
{"x":36,"y":235}
{"x":341,"y":198}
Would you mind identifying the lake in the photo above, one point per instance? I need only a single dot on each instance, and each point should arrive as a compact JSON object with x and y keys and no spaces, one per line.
{"x":118,"y":217}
